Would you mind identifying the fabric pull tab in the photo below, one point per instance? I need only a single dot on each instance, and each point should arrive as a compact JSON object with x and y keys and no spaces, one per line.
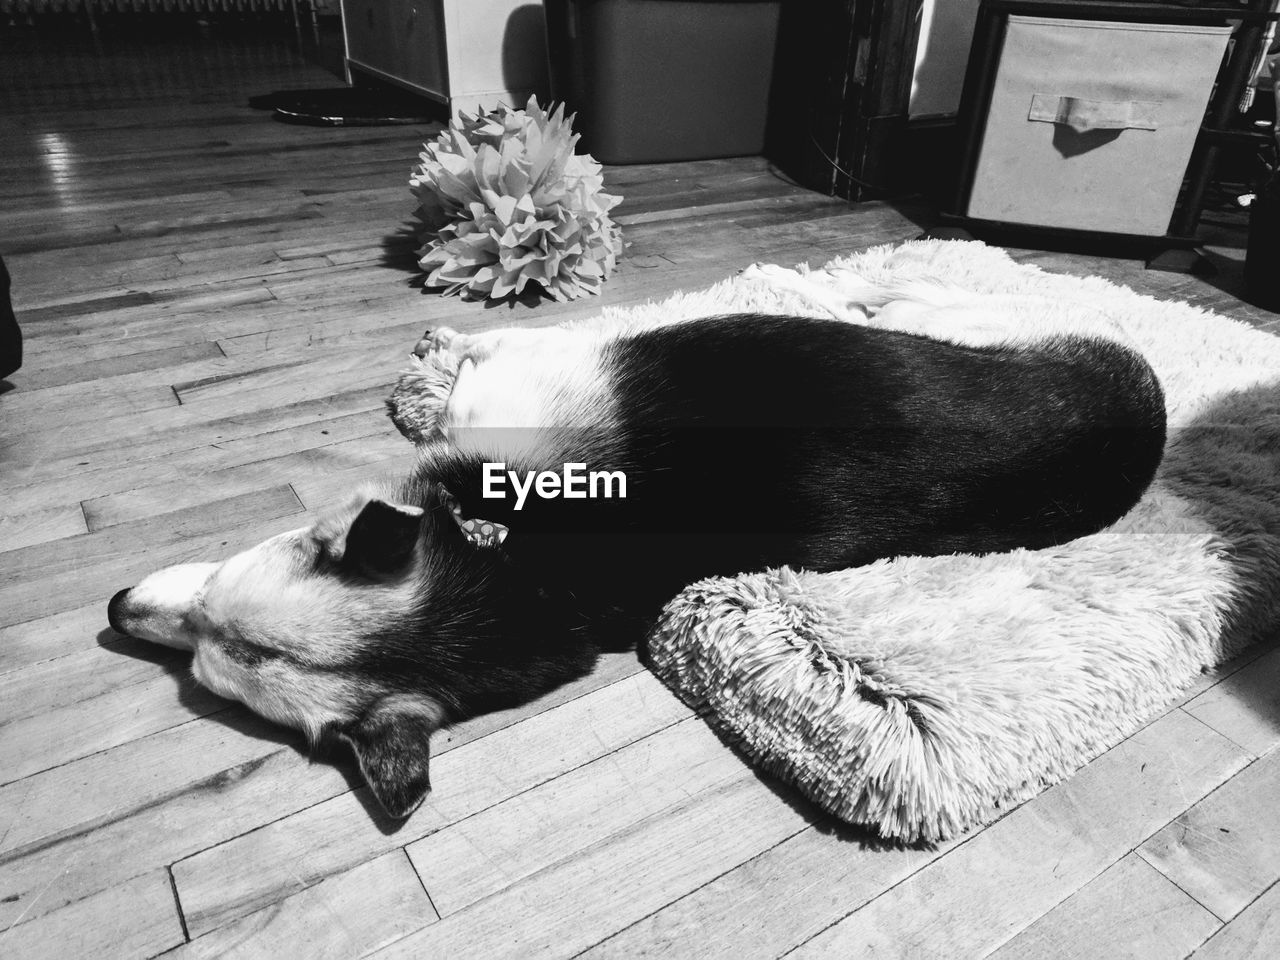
{"x":1084,"y":115}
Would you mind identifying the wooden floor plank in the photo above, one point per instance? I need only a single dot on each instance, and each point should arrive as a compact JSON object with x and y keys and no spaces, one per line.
{"x":34,"y":580}
{"x":138,"y":918}
{"x":1006,"y":877}
{"x":108,"y":665}
{"x":1225,"y":850}
{"x":258,"y":868}
{"x":567,"y":907}
{"x":79,"y":729}
{"x":500,"y":846}
{"x":1128,"y":911}
{"x":391,"y":320}
{"x":782,"y":898}
{"x":160,"y":272}
{"x":131,"y":225}
{"x":1252,"y":935}
{"x":307,"y":466}
{"x":341,"y":373}
{"x":94,"y":400}
{"x":333,"y":488}
{"x":82,"y":324}
{"x":773,"y":902}
{"x":43,"y":639}
{"x":53,"y":806}
{"x":182,"y":817}
{"x":73,"y":370}
{"x":345,"y":915}
{"x":30,"y":633}
{"x":75,"y":553}
{"x":166,"y":326}
{"x":39,"y":320}
{"x":40,"y":525}
{"x":1244,"y":707}
{"x":97,"y":581}
{"x":142,"y":452}
{"x":173,"y":320}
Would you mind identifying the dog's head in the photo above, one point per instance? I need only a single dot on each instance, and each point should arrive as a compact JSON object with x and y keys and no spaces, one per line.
{"x":296,"y":628}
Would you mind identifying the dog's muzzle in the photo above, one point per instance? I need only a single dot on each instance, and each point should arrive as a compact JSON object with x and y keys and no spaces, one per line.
{"x":157,"y":608}
{"x":115,"y":609}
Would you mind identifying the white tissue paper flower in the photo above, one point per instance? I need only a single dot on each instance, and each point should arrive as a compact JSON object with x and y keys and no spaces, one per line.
{"x":505,"y":202}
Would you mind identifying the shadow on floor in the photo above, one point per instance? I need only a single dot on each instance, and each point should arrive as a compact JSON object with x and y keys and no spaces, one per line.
{"x":400,"y":250}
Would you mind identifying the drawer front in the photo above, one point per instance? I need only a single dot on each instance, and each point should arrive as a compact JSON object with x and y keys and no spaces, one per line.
{"x":1091,"y":124}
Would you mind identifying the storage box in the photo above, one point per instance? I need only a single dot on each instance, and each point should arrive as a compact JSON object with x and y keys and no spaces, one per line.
{"x":658,"y":80}
{"x":1091,"y":123}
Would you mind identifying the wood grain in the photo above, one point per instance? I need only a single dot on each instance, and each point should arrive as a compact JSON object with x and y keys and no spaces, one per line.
{"x":1244,"y":707}
{"x":138,"y":918}
{"x":506,"y":843}
{"x":195,"y":447}
{"x":1225,"y":850}
{"x":219,"y":884}
{"x":41,"y":525}
{"x":35,"y":580}
{"x":999,"y":882}
{"x":42,"y":639}
{"x":115,"y":843}
{"x":348,"y":914}
{"x":57,"y":804}
{"x":561,"y":910}
{"x":198,"y":488}
{"x":775,"y":901}
{"x":61,"y":734}
{"x":1252,"y":935}
{"x":1129,"y":910}
{"x":111,"y":665}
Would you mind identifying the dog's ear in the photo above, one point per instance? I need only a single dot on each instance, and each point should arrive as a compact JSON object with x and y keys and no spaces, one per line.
{"x":382,"y":538}
{"x":392,"y":743}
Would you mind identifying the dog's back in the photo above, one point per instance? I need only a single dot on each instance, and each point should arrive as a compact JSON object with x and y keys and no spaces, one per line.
{"x":756,"y":441}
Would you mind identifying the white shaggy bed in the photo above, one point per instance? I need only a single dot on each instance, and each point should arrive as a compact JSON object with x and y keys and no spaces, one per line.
{"x":920,"y":697}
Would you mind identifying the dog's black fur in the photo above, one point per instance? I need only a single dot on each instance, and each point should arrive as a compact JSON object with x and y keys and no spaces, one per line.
{"x":757,"y":441}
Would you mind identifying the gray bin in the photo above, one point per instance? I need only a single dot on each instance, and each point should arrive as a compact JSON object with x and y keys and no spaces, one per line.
{"x":661,"y":80}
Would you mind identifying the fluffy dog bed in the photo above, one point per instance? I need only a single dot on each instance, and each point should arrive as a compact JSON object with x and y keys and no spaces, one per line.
{"x":921,"y":696}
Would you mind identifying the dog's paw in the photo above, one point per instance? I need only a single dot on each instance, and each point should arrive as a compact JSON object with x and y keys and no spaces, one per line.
{"x":758,"y":271}
{"x":417,"y":404}
{"x":439,"y":339}
{"x":770,"y":273}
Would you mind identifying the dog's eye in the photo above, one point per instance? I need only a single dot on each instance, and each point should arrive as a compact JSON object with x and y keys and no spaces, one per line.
{"x":248,"y":654}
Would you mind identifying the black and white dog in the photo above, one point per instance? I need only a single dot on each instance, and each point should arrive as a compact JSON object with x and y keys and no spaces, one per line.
{"x":574,"y":480}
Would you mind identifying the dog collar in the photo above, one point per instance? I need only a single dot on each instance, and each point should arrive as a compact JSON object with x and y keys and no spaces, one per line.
{"x":483,"y":533}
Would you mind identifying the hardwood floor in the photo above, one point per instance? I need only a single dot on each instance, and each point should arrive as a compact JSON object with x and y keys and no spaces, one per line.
{"x":215,"y":305}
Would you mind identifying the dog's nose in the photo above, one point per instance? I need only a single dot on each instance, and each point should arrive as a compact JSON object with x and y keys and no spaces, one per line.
{"x":114,"y":610}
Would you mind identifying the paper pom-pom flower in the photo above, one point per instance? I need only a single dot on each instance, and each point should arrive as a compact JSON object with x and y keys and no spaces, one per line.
{"x":505,"y":202}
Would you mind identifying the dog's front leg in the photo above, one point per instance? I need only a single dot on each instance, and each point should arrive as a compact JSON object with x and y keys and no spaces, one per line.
{"x":417,"y":404}
{"x":814,"y":295}
{"x":479,"y":347}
